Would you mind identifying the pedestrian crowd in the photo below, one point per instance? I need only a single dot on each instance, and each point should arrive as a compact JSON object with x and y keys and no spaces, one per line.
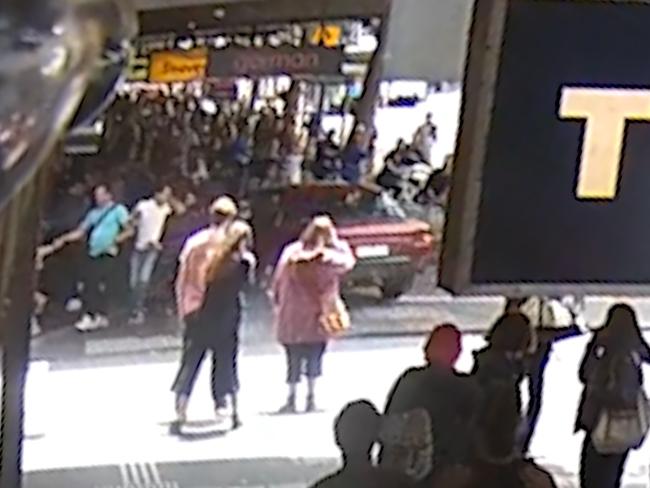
{"x":231,"y":142}
{"x":166,"y":155}
{"x":442,"y":428}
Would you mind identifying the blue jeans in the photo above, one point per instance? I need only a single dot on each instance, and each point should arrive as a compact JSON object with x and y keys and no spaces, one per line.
{"x":142,"y":266}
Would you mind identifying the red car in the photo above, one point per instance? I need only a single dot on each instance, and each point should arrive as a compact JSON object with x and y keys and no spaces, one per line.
{"x":390,"y":247}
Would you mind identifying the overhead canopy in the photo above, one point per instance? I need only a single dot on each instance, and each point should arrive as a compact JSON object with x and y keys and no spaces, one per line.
{"x":426,"y":38}
{"x":181,"y":16}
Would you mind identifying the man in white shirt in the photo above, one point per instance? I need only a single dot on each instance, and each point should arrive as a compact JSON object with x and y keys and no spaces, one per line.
{"x":552,"y":319}
{"x":148,"y":219}
{"x":425,"y":137}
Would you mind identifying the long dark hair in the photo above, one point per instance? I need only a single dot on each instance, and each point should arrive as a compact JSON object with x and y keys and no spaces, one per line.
{"x":510,"y":333}
{"x":621,"y":330}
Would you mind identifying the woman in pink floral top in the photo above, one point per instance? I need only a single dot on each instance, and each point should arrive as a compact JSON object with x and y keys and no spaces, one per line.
{"x":306,"y":281}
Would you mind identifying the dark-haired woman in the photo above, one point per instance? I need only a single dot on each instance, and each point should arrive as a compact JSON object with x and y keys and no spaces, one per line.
{"x":501,"y":364}
{"x":612,"y":378}
{"x":498,"y":462}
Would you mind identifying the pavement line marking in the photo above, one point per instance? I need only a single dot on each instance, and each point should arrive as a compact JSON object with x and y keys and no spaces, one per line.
{"x":155,"y":473}
{"x":135,"y":476}
{"x":144,"y":471}
{"x":124,"y":475}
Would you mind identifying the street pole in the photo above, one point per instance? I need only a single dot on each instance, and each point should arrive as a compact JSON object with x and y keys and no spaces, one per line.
{"x":19,"y":226}
{"x":366,"y":105}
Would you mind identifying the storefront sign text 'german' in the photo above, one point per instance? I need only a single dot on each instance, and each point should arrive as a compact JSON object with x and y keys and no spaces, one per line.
{"x":268,"y":61}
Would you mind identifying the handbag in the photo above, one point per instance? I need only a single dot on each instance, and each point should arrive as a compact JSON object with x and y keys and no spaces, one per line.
{"x":619,"y":430}
{"x":335,"y":318}
{"x":407,"y":443}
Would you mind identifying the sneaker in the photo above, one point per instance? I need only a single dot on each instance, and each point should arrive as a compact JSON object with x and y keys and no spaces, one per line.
{"x":101,"y":322}
{"x":85,"y":323}
{"x":137,"y":318}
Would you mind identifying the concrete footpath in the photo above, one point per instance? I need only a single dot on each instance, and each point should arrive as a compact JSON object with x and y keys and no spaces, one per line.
{"x":109,"y":426}
{"x":411,"y":315}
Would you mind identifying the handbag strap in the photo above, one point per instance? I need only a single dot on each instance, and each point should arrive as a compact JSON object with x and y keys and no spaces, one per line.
{"x":101,"y":219}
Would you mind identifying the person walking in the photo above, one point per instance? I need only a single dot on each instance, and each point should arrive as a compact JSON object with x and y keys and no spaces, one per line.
{"x":104,"y":228}
{"x":613,"y":381}
{"x":425,"y":137}
{"x":148,"y":220}
{"x":305,"y":294}
{"x":501,"y":365}
{"x":214,"y":265}
{"x":354,"y":154}
{"x":551,"y":321}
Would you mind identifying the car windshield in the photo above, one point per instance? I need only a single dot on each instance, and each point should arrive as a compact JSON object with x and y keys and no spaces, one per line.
{"x":363,"y":204}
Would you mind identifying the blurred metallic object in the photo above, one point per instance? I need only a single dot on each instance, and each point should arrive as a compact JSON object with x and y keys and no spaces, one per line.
{"x":59,"y":60}
{"x":52,"y":53}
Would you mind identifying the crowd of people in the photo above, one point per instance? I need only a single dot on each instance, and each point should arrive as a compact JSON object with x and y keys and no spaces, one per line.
{"x":445,"y":429}
{"x":214,"y":266}
{"x":167,"y":155}
{"x":440,"y":427}
{"x":231,"y":142}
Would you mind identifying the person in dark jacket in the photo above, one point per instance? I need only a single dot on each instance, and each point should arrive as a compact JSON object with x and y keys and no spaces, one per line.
{"x":391,"y":177}
{"x":618,"y":342}
{"x":498,"y":462}
{"x":448,"y":397}
{"x":546,"y":331}
{"x":354,"y":154}
{"x":501,"y":364}
{"x":356,"y":431}
{"x":217,"y":261}
{"x":327,"y":164}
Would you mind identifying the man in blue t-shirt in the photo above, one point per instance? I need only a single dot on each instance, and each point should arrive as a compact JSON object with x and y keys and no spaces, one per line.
{"x":104,"y":228}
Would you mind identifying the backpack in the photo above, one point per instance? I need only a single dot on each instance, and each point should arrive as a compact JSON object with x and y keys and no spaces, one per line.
{"x":618,"y":380}
{"x":624,"y":420}
{"x":407,"y":443}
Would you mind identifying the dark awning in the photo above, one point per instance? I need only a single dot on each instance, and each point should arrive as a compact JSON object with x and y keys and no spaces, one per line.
{"x":178,"y":16}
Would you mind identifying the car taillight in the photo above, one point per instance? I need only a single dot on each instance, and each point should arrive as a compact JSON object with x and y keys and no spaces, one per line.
{"x":425,"y":239}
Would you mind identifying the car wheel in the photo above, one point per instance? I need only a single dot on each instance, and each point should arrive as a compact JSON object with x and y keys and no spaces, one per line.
{"x":394,"y":288}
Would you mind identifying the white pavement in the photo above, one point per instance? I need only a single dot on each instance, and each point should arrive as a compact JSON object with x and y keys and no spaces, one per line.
{"x":120,"y":415}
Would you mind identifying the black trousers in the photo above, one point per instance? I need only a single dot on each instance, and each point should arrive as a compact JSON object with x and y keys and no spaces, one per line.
{"x":599,"y":470}
{"x":224,"y":375}
{"x":97,"y":281}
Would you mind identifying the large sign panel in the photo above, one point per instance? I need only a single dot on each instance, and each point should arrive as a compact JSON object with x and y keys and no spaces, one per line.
{"x":269,"y":61}
{"x":178,"y":66}
{"x":551,"y":186}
